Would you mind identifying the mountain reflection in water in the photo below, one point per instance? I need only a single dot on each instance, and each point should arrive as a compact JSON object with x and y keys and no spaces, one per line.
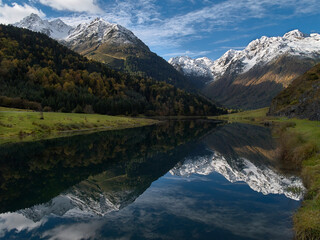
{"x":160,"y":182}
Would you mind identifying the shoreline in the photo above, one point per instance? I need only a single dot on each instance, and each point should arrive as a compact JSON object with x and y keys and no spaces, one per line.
{"x":300,"y":144}
{"x":17,"y":125}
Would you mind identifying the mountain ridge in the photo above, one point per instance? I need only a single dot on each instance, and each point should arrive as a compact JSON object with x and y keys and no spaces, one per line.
{"x":259,"y":51}
{"x":56,"y":29}
{"x":239,"y":79}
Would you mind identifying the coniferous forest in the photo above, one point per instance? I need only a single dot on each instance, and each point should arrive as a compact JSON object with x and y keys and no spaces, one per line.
{"x":39,"y":73}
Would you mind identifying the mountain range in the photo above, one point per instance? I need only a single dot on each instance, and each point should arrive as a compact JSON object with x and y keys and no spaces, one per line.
{"x":246,"y":79}
{"x":252,"y":77}
{"x":111,"y":44}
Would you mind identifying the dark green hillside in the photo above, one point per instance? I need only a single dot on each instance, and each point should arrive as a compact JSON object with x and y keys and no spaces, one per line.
{"x":301,"y":99}
{"x":151,"y":65}
{"x":40,"y":70}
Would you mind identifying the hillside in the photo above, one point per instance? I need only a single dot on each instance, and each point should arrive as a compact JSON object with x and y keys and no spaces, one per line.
{"x":301,"y":99}
{"x":36,"y":68}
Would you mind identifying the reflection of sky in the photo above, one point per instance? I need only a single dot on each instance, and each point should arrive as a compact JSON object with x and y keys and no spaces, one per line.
{"x":198,"y":207}
{"x":173,"y":207}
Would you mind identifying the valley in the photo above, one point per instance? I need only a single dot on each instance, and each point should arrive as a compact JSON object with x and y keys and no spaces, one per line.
{"x":159,"y":120}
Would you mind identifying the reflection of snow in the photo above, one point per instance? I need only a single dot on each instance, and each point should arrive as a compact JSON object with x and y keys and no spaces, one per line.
{"x":80,"y":203}
{"x":259,"y":178}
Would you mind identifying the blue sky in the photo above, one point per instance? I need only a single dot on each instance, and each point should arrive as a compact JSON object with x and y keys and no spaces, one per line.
{"x":182,"y":27}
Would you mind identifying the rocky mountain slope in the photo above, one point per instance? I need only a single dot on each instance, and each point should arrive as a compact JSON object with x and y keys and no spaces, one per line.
{"x":252,"y":77}
{"x":111,"y":44}
{"x":301,"y":99}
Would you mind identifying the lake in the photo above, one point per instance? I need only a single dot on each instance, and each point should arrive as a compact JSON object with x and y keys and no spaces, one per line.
{"x":178,"y":180}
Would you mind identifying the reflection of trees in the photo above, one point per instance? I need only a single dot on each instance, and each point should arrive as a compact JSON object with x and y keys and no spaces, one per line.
{"x":251,"y":142}
{"x":32,"y":173}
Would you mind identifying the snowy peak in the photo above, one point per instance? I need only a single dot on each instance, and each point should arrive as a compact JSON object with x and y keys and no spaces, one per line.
{"x":34,"y":23}
{"x":32,"y":18}
{"x":192,"y":67}
{"x":56,"y":29}
{"x":295,"y":34}
{"x":258,"y":52}
{"x":259,"y":178}
{"x":100,"y":31}
{"x":93,"y":33}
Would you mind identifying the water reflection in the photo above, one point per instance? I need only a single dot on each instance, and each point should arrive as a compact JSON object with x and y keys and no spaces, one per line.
{"x":259,"y":178}
{"x":33,"y":173}
{"x":175,"y":181}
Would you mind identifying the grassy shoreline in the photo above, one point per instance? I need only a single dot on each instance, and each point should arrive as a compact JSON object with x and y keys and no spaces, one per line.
{"x":21,"y":125}
{"x":300,"y":140}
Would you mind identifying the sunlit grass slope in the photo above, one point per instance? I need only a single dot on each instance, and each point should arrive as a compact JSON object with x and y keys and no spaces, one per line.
{"x":19,"y":124}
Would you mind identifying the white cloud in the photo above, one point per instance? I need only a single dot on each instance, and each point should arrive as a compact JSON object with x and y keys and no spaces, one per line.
{"x":79,"y":19}
{"x":187,"y":53}
{"x":89,"y":6}
{"x":17,"y":222}
{"x":15,"y":12}
{"x":233,"y":47}
{"x":75,"y":231}
{"x":148,"y":21}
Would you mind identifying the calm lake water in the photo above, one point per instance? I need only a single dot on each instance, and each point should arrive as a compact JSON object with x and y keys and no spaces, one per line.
{"x":177,"y":180}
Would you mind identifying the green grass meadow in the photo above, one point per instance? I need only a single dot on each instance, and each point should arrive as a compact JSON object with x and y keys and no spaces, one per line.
{"x":16,"y":124}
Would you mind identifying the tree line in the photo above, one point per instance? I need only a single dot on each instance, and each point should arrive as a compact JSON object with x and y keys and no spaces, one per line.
{"x":37,"y":69}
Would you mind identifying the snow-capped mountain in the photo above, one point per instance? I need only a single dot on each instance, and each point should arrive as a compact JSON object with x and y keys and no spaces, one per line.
{"x":97,"y":31}
{"x":259,"y":178}
{"x":108,"y":43}
{"x":100,"y":31}
{"x":56,"y":29}
{"x":200,"y":67}
{"x":258,"y":52}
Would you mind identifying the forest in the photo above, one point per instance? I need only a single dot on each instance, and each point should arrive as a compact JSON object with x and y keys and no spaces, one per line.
{"x":37,"y":72}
